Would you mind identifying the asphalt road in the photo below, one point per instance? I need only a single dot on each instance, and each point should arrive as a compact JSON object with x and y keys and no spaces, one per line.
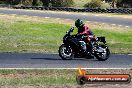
{"x":35,"y":60}
{"x":32,"y":60}
{"x":102,"y":19}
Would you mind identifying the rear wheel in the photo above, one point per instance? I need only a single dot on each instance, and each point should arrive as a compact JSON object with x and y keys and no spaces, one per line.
{"x":66,"y":53}
{"x":102,"y":56}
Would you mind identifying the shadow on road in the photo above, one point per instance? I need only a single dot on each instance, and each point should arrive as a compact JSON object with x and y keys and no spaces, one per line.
{"x":48,"y":58}
{"x":81,"y":59}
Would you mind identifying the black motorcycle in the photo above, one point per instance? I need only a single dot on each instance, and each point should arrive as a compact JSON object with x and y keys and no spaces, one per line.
{"x":74,"y":47}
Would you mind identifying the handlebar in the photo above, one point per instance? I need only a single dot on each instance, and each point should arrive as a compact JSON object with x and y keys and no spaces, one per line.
{"x":70,"y":30}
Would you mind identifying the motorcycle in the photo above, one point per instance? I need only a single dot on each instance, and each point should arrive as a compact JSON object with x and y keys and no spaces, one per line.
{"x":74,"y":47}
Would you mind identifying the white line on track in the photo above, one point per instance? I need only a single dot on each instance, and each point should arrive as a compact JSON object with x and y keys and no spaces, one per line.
{"x":96,"y":15}
{"x":68,"y":13}
{"x":57,"y":18}
{"x":108,"y":16}
{"x":103,"y":23}
{"x":84,"y":14}
{"x":46,"y":17}
{"x":119,"y":25}
{"x":71,"y":68}
{"x":113,"y":24}
{"x":88,"y":21}
{"x":127,"y":26}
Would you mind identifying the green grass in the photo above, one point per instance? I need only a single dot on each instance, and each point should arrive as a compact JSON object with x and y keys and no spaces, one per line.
{"x":32,"y":36}
{"x":80,"y":3}
{"x":119,"y":42}
{"x":42,"y":77}
{"x":36,"y":77}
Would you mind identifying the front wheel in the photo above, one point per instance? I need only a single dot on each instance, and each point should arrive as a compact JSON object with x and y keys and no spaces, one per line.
{"x":102,"y":56}
{"x":66,"y":52}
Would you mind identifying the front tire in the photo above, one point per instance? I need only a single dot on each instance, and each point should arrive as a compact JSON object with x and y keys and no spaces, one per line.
{"x":103,"y":56}
{"x":66,"y":53}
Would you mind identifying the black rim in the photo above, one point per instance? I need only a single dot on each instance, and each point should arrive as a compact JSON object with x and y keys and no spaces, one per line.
{"x":66,"y":52}
{"x":104,"y":55}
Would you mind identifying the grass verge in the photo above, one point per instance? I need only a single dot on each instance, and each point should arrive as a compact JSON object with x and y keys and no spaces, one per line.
{"x":34,"y":34}
{"x":41,"y":77}
{"x":36,"y":77}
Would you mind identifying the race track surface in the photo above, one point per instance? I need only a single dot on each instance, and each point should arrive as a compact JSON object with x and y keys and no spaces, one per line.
{"x":102,"y":19}
{"x":34,"y":60}
{"x":40,"y":60}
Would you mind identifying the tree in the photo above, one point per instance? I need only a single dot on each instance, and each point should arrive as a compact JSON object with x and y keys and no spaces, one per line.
{"x":34,"y":2}
{"x":93,"y":4}
{"x":114,"y":3}
{"x":122,"y":3}
{"x":46,"y":2}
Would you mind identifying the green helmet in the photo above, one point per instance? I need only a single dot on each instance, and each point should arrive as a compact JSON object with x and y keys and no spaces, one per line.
{"x":78,"y":23}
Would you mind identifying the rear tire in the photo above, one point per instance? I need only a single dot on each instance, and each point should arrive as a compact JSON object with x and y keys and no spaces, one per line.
{"x":66,"y":53}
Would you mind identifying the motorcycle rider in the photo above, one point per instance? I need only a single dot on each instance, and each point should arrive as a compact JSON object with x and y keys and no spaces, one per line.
{"x":84,"y":30}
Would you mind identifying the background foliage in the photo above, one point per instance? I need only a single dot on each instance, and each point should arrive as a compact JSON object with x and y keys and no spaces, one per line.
{"x":72,"y":3}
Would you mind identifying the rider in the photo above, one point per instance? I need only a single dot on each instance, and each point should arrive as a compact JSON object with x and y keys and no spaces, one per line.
{"x":84,"y":30}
